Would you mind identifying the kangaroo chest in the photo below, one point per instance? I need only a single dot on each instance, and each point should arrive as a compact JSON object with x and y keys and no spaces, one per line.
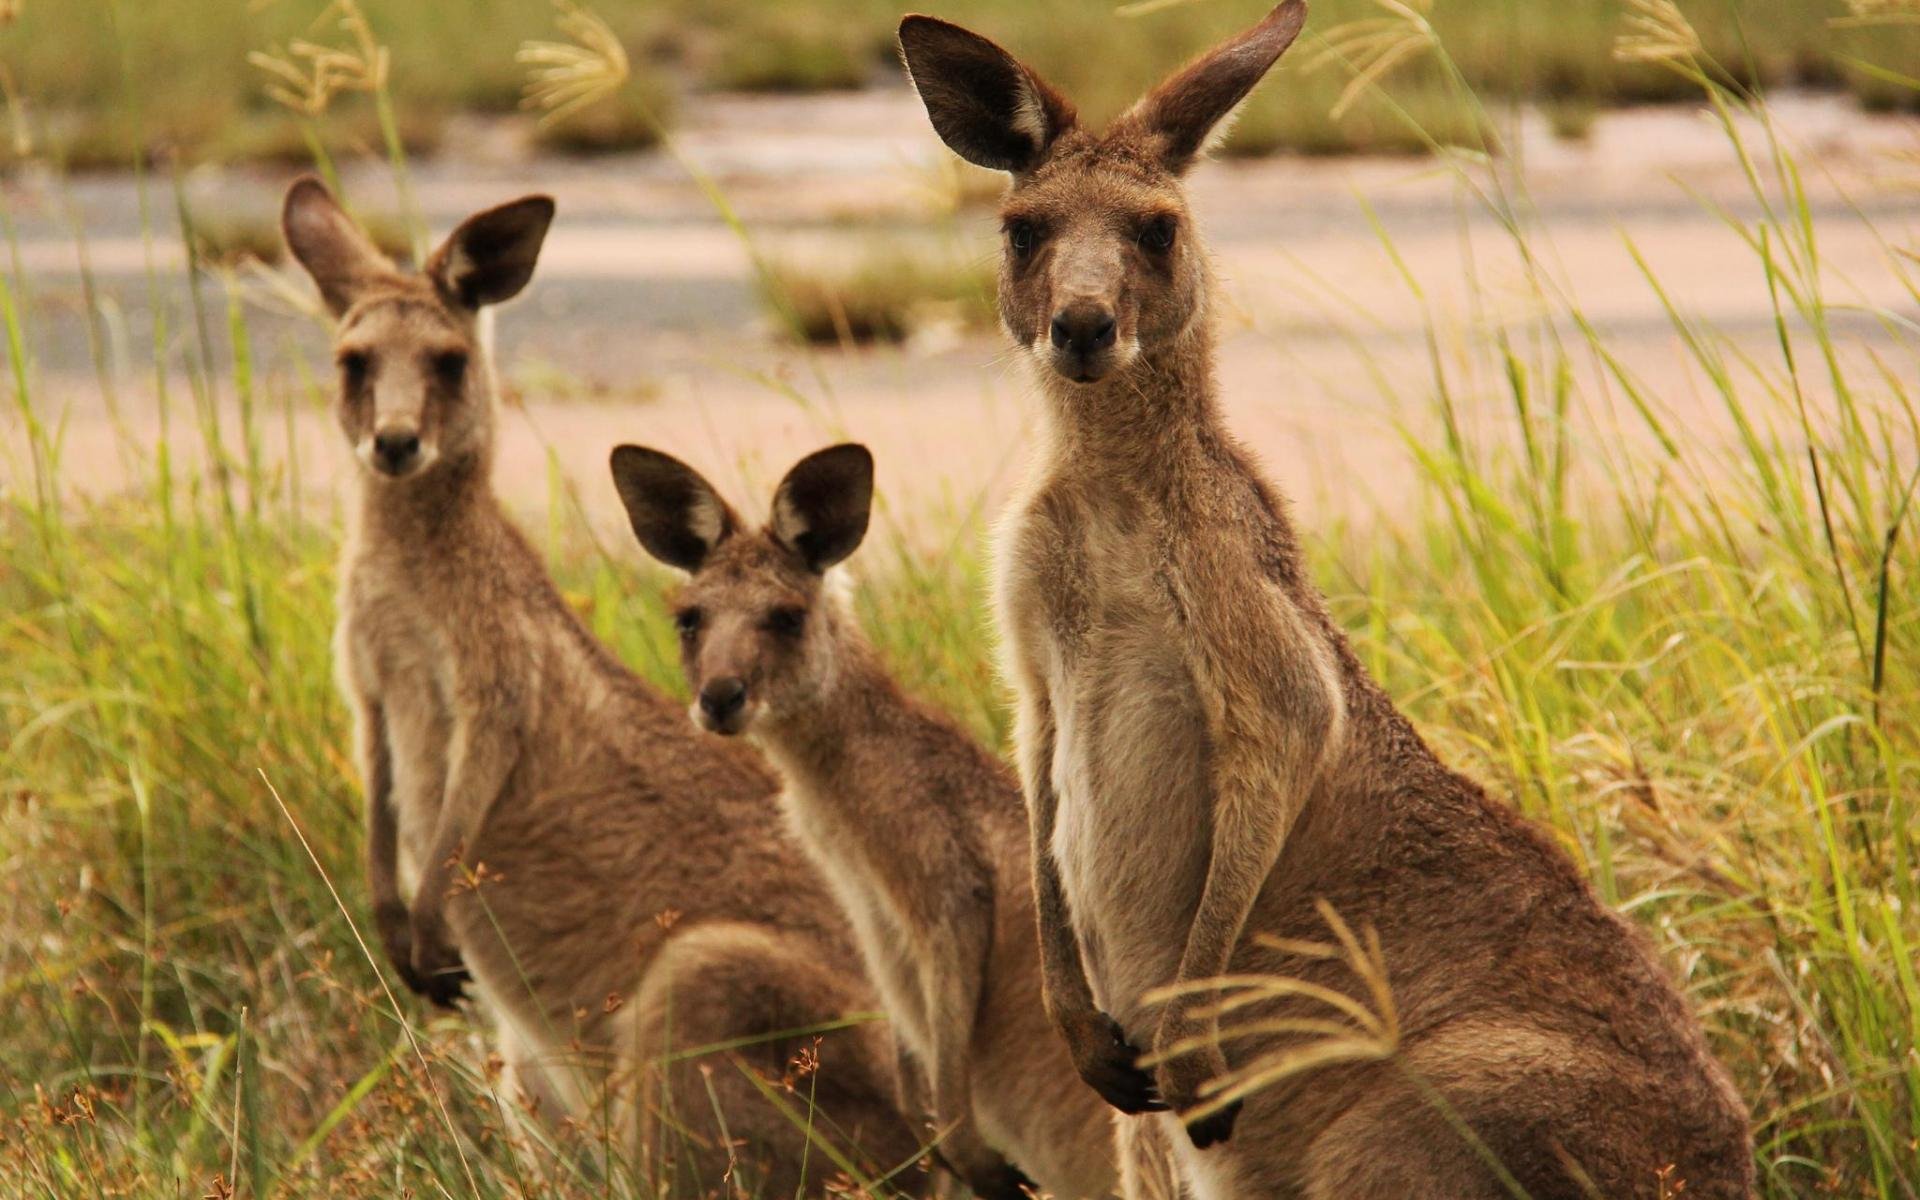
{"x":871,"y":873}
{"x":1129,"y":763}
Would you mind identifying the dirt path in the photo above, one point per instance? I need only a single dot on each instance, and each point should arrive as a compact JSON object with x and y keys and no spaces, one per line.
{"x":643,"y":326}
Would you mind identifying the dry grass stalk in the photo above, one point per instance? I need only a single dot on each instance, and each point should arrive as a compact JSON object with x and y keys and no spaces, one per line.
{"x":305,"y":76}
{"x":1373,"y":48}
{"x":1353,"y":1032}
{"x":568,"y":76}
{"x":1656,"y":33}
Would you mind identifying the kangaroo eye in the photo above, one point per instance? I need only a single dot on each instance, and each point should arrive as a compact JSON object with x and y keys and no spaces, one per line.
{"x":1021,"y":236}
{"x":1158,"y":234}
{"x":451,"y":367}
{"x":786,"y":621}
{"x":353,"y":369}
{"x":687,"y":621}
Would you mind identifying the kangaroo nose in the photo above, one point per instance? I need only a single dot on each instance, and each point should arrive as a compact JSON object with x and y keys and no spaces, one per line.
{"x":722,"y":699}
{"x":1083,"y":329}
{"x":395,"y":450}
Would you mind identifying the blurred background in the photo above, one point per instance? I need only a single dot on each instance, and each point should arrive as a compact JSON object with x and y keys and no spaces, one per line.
{"x":741,"y":183}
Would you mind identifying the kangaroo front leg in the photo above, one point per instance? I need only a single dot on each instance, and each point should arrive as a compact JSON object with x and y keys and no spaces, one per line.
{"x":1248,"y":829}
{"x":1098,"y":1046}
{"x":481,"y":756}
{"x":1272,"y":720}
{"x":383,"y":841}
{"x":950,"y":985}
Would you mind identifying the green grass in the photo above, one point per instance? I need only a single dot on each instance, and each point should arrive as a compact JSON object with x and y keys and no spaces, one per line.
{"x":1696,"y":665}
{"x":882,"y":294}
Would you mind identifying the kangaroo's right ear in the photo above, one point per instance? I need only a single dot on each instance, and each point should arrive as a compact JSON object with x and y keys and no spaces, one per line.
{"x":988,"y":108}
{"x":490,"y":257}
{"x":675,"y":512}
{"x":342,"y":260}
{"x":821,"y":509}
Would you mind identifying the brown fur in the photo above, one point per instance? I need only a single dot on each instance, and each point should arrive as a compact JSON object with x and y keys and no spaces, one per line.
{"x":1205,"y":759}
{"x":919,"y":829}
{"x":616,"y":885}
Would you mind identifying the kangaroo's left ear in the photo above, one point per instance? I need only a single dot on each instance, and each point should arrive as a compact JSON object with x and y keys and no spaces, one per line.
{"x":675,"y":512}
{"x":987,"y":106}
{"x":821,"y":509}
{"x":1185,"y":113}
{"x":490,"y":257}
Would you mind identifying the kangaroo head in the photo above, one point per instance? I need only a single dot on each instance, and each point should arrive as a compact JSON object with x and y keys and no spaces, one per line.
{"x":413,"y":388}
{"x":1100,"y":263}
{"x":760,"y":629}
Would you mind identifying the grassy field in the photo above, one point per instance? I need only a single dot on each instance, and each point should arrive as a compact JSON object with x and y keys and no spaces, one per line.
{"x":102,"y":79}
{"x":1697,"y":668}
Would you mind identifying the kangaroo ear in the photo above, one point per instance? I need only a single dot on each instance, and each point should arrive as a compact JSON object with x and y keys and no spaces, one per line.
{"x":1186,"y":112}
{"x":676,"y":514}
{"x":490,"y":257}
{"x":821,"y":509}
{"x":986,"y":106}
{"x":342,"y":260}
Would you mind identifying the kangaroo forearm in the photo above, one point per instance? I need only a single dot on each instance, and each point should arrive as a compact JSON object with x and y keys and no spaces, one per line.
{"x":1272,"y":728}
{"x":1249,"y":832}
{"x":383,"y":836}
{"x":950,"y":1060}
{"x":1063,"y":977}
{"x":480,"y":764}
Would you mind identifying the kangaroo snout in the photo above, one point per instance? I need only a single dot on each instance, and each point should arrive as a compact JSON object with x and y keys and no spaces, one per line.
{"x":396,"y":451}
{"x":1083,"y":329}
{"x":723,"y":704}
{"x":1083,"y":337}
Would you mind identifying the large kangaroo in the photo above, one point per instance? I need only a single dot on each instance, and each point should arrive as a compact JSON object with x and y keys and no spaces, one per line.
{"x":1206,"y":761}
{"x":919,"y":829}
{"x":616,"y":885}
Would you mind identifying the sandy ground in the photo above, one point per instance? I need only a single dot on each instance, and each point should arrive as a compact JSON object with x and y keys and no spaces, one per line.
{"x":642,"y":323}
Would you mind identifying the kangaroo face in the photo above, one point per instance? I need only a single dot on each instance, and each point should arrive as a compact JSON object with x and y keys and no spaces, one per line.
{"x":413,"y":389}
{"x":404,"y":363}
{"x":1100,"y":265}
{"x":757,"y":635}
{"x":750,"y":637}
{"x":1094,"y":268}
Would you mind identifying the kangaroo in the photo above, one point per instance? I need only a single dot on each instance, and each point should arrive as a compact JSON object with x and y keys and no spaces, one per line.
{"x":612,"y":885}
{"x":1206,"y":762}
{"x":919,"y":829}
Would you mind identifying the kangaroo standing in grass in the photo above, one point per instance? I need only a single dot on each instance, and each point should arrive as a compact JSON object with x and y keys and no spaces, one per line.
{"x":919,"y":829}
{"x":1205,"y":760}
{"x":614,"y":885}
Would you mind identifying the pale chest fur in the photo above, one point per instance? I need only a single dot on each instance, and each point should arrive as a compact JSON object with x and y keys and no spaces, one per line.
{"x":870,"y":896}
{"x":1087,"y":608}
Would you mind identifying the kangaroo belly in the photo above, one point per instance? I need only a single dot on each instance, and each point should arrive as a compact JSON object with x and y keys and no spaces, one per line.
{"x":1135,"y":816}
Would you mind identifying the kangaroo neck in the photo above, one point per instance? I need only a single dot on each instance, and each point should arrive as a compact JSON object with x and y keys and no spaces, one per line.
{"x":420,"y":514}
{"x":812,"y":742}
{"x":1139,"y":422}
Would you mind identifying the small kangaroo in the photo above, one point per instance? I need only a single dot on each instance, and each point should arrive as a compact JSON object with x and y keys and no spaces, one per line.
{"x":1205,"y":760}
{"x":920,"y":831}
{"x":613,"y":885}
